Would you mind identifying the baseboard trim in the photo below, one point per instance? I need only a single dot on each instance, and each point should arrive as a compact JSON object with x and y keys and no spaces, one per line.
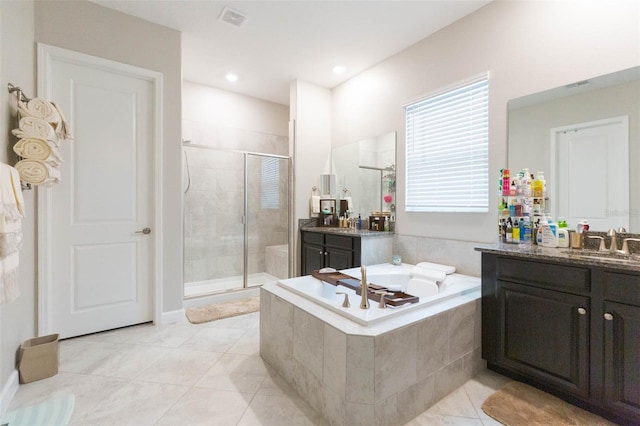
{"x":8,"y":392}
{"x":172,"y":317}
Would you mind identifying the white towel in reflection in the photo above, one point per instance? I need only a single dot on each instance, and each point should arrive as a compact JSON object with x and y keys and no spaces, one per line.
{"x":437,"y":267}
{"x":38,"y":173}
{"x":421,"y":288}
{"x":40,"y":108}
{"x":38,"y":149}
{"x":315,"y":204}
{"x":428,"y":274}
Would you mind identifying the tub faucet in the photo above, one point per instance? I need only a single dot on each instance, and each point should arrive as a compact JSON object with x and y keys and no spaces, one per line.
{"x":364,"y":288}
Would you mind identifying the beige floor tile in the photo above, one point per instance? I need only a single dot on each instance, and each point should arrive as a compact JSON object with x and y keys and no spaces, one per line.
{"x":133,"y":403}
{"x":127,"y":361}
{"x":212,"y":339}
{"x":234,"y":372}
{"x":168,"y":336}
{"x":248,"y":344}
{"x":430,"y":419}
{"x":82,"y":356}
{"x":280,"y":411}
{"x":275,"y":385}
{"x":481,"y":387}
{"x":179,"y":367}
{"x":457,"y":403}
{"x":209,"y":407}
{"x":243,"y":322}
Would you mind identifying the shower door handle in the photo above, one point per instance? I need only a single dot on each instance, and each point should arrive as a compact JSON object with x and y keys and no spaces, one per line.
{"x":145,"y":231}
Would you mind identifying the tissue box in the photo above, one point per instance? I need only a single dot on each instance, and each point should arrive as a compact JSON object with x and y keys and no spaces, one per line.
{"x":38,"y":358}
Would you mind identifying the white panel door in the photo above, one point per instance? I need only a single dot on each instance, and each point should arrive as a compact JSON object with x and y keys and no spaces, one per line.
{"x":592,"y":171}
{"x":101,"y":265}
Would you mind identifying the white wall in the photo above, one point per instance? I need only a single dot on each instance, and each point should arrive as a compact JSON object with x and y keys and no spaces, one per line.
{"x":17,"y":66}
{"x":311,"y":110}
{"x":527,"y":47}
{"x":88,"y":28}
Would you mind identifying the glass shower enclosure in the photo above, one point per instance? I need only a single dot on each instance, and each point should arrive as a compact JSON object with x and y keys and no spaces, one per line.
{"x":236,"y":219}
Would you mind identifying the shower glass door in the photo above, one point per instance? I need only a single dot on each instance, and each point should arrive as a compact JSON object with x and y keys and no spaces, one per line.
{"x":236,"y":220}
{"x":267,"y":219}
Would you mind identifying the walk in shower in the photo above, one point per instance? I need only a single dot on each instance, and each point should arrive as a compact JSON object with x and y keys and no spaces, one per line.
{"x":236,"y":219}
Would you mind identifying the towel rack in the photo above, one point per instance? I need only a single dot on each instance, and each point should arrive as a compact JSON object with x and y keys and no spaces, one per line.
{"x":20,"y":97}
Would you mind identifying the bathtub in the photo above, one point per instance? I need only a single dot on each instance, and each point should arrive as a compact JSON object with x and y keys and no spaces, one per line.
{"x":324,"y":294}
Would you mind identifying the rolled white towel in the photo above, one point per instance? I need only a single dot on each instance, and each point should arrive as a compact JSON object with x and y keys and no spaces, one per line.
{"x":437,"y":267}
{"x":40,"y":108}
{"x":37,"y":173}
{"x":428,"y":274}
{"x":38,"y":149}
{"x":35,"y":127}
{"x":421,"y":288}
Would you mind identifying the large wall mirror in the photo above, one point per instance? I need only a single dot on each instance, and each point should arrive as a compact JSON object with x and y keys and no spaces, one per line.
{"x":585,"y":137}
{"x":366,"y":171}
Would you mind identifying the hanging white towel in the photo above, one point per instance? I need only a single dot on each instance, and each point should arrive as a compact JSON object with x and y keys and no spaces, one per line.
{"x":36,"y":172}
{"x":38,"y":149}
{"x":62,"y":129}
{"x":315,"y":204}
{"x":421,"y":288}
{"x":35,"y":127}
{"x":40,"y":108}
{"x":11,"y":213}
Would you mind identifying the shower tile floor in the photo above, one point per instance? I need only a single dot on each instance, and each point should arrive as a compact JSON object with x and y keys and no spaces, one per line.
{"x":205,"y":374}
{"x":199,"y":288}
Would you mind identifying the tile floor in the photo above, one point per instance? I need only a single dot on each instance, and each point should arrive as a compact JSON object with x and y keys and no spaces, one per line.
{"x":208,"y":374}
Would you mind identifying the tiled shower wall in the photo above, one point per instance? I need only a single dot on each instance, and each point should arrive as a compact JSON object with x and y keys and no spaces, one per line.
{"x":213,"y":205}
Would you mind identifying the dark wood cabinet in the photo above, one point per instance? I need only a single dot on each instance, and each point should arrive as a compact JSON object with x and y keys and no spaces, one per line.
{"x":321,"y":250}
{"x":570,"y":329}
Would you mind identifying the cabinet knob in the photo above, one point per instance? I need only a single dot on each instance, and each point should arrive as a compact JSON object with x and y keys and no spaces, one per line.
{"x":608,"y":316}
{"x":582,"y":311}
{"x":320,"y":252}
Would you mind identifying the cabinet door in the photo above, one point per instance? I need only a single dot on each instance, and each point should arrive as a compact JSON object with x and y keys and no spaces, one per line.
{"x":339,"y":259}
{"x":622,"y":359}
{"x":545,"y":335}
{"x":312,"y":258}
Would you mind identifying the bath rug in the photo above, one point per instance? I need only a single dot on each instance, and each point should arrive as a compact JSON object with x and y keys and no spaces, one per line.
{"x":207,"y":313}
{"x":517,"y":404}
{"x":52,"y":412}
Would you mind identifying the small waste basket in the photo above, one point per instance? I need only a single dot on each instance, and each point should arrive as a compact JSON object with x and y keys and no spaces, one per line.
{"x":38,"y":358}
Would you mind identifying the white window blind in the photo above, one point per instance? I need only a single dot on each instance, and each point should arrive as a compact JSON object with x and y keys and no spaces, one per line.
{"x":270,"y":183}
{"x":447,"y":164}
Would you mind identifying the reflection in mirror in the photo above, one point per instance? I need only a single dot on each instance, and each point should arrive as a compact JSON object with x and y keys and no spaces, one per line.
{"x":586,"y":138}
{"x":365,"y":173}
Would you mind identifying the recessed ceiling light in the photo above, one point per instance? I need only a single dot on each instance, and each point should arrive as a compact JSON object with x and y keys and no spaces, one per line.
{"x":338,"y":69}
{"x":231,"y":77}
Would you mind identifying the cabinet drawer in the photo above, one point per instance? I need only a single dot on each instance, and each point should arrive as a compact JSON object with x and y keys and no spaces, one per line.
{"x":339,"y":241}
{"x":623,"y":288}
{"x":549,"y":275}
{"x":313,"y":238}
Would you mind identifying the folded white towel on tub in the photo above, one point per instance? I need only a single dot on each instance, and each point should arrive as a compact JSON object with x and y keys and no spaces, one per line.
{"x":438,"y":267}
{"x":428,"y":274}
{"x":37,"y":173}
{"x":421,"y":288}
{"x":38,"y":149}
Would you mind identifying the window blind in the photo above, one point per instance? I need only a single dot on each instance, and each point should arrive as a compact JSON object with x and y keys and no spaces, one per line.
{"x":447,"y":150}
{"x":270,"y":183}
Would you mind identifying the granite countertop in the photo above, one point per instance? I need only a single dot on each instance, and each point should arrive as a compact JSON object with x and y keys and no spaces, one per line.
{"x":564,"y":255}
{"x":346,"y":231}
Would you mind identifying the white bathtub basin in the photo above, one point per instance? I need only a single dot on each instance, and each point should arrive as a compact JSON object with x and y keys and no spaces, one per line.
{"x":325,"y":295}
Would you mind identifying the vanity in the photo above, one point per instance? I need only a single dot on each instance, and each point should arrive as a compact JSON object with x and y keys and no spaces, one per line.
{"x":341,"y":248}
{"x":567,"y":324}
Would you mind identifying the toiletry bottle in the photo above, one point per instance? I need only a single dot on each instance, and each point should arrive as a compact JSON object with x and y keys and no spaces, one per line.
{"x":509,"y":232}
{"x":521,"y":226}
{"x":526,"y":183}
{"x":386,"y":223}
{"x":506,"y":184}
{"x":527,"y":231}
{"x":515,"y":233}
{"x":359,"y":222}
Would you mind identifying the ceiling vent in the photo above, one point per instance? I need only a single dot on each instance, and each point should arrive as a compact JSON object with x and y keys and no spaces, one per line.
{"x":233,"y":17}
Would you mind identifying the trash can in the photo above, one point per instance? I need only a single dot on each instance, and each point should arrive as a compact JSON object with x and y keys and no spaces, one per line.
{"x":38,"y":358}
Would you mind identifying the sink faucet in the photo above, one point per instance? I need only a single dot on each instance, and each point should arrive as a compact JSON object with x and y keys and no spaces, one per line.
{"x":613,"y":245}
{"x":364,"y":288}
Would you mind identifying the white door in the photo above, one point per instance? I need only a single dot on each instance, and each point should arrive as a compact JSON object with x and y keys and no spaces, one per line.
{"x":591,"y":168}
{"x":98,"y":266}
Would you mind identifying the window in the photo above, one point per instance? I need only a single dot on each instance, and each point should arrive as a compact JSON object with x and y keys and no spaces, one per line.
{"x":270,"y":183}
{"x":447,"y":148}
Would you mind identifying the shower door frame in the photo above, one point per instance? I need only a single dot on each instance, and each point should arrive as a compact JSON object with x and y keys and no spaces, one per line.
{"x":245,"y":221}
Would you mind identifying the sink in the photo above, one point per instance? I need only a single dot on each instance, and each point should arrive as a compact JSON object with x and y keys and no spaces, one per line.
{"x":627,"y":259}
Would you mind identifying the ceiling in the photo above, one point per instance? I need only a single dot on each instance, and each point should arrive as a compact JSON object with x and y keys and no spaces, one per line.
{"x":280,"y":41}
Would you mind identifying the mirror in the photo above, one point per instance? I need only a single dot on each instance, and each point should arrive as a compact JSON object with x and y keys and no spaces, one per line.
{"x":563,"y":132}
{"x":365,"y":171}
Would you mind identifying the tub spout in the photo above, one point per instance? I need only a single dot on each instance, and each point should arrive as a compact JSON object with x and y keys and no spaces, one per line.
{"x":364,"y":289}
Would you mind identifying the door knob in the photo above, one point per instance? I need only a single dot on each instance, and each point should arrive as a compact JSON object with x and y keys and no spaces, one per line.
{"x":145,"y":231}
